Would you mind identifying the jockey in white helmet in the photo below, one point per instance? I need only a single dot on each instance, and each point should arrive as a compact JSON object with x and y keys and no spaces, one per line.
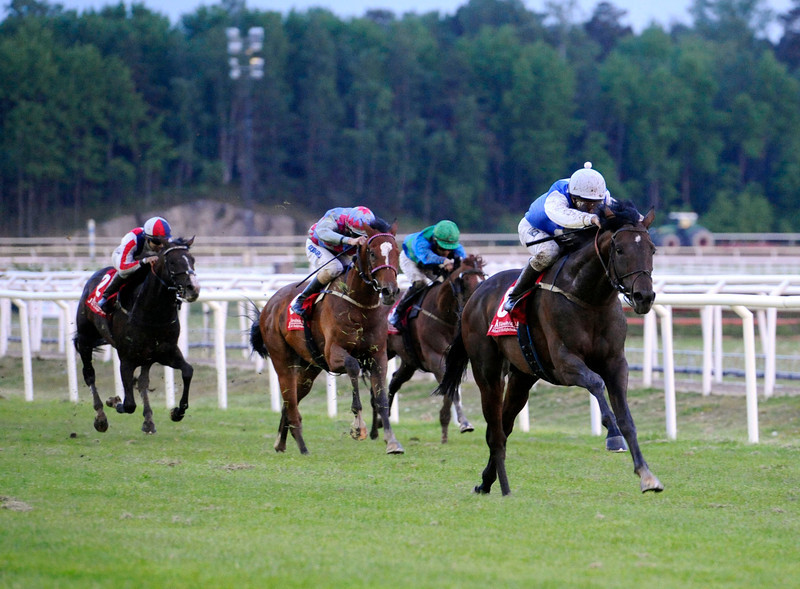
{"x":568,"y":204}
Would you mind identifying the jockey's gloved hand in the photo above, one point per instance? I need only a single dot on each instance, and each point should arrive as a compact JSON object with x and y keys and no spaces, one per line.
{"x":148,"y":260}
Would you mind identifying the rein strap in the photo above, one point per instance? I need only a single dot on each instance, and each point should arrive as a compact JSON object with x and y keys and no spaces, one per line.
{"x":341,"y":295}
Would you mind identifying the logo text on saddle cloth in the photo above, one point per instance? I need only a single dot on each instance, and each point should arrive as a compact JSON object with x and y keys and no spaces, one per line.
{"x":293,"y":321}
{"x":503,"y":323}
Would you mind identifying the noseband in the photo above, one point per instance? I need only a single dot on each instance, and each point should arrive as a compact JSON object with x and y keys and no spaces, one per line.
{"x":369,"y":275}
{"x":616,"y":279}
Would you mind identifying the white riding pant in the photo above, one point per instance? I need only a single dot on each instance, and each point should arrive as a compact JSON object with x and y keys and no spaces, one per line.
{"x":320,"y":256}
{"x":413,"y":272}
{"x":542,"y":254}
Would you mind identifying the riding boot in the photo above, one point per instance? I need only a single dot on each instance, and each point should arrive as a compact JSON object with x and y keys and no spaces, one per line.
{"x":525,"y":282}
{"x":313,"y":287}
{"x":112,"y":288}
{"x":400,"y":310}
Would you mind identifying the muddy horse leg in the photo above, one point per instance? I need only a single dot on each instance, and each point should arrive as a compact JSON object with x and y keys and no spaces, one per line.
{"x":617,"y":394}
{"x":148,"y":426}
{"x":358,"y":430}
{"x":378,"y":385}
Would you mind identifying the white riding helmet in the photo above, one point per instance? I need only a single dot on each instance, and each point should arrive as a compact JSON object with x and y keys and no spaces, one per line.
{"x":587,"y":183}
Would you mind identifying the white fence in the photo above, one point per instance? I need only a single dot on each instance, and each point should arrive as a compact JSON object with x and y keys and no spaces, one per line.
{"x":765,"y":295}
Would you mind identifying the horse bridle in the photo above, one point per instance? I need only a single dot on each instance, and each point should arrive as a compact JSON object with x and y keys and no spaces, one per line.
{"x":457,"y":285}
{"x":370,"y":278}
{"x":616,"y":279}
{"x":178,"y":288}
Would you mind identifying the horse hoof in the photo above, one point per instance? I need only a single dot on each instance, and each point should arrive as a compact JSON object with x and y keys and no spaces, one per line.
{"x":478,"y":490}
{"x":394,"y":448}
{"x":466,"y":427}
{"x":651,"y":483}
{"x":358,"y":433}
{"x":101,"y":425}
{"x":148,"y":428}
{"x":113,"y":401}
{"x":120,"y":408}
{"x":616,"y":444}
{"x":176,"y":414}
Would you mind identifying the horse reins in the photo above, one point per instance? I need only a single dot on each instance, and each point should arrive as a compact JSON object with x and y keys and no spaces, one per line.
{"x":616,"y":281}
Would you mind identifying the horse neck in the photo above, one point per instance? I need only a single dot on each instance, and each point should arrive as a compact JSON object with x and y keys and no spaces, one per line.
{"x":584,"y":275}
{"x":152,"y":296}
{"x":357,"y":288}
{"x":445,"y":299}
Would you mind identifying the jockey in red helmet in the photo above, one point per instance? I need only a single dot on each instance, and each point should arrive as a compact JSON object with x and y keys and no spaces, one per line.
{"x":137,"y":248}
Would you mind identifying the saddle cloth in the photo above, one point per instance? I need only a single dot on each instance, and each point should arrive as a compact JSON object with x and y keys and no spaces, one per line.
{"x":94,"y":297}
{"x":505,"y":323}
{"x":392,"y":329}
{"x":293,"y":321}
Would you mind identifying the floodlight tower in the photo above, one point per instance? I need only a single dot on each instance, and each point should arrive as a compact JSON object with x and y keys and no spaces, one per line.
{"x":252,"y":68}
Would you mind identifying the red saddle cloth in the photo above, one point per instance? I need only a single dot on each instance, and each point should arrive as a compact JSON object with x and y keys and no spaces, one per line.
{"x":505,"y":323}
{"x":293,"y":321}
{"x":392,"y":329}
{"x":94,"y":298}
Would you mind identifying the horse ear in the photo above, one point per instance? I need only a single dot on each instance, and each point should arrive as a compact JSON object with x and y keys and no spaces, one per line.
{"x":649,"y":218}
{"x":393,"y":228}
{"x":190,"y":241}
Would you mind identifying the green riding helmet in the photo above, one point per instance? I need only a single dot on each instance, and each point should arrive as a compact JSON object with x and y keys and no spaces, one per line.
{"x":446,"y":234}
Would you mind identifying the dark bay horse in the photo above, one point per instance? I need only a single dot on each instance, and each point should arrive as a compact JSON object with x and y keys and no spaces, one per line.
{"x":577,"y":330}
{"x":144,"y":327}
{"x":430,"y":329}
{"x":346,"y":334}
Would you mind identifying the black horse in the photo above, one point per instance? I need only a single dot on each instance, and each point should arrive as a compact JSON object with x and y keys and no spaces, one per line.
{"x":571,"y":333}
{"x":144,"y":329}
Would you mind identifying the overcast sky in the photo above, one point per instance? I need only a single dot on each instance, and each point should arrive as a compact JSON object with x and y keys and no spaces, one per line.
{"x":640,"y":12}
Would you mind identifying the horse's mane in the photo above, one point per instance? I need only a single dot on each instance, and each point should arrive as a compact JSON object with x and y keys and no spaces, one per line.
{"x":380,"y":225}
{"x":179,"y":241}
{"x":618,"y":214}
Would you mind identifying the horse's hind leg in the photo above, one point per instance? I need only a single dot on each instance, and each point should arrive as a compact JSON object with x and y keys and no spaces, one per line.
{"x":148,"y":426}
{"x":85,"y":351}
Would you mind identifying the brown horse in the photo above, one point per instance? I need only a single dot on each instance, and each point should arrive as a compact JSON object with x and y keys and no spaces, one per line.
{"x":346,"y":334}
{"x":144,"y":327}
{"x":571,"y":333}
{"x":430,"y":329}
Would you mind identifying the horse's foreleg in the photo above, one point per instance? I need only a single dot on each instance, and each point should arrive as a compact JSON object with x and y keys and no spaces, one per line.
{"x":358,"y":431}
{"x":187,"y":372}
{"x":148,"y":426}
{"x":617,"y":394}
{"x":377,"y":380}
{"x":615,"y":442}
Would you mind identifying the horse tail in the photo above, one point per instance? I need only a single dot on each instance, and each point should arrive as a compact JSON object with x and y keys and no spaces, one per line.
{"x":256,"y":338}
{"x":455,"y":365}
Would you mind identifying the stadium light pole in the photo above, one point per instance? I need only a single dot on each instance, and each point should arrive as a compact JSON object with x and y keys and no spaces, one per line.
{"x":251,"y":68}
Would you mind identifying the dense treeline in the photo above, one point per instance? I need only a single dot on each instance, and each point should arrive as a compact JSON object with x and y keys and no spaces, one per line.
{"x":467,"y":116}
